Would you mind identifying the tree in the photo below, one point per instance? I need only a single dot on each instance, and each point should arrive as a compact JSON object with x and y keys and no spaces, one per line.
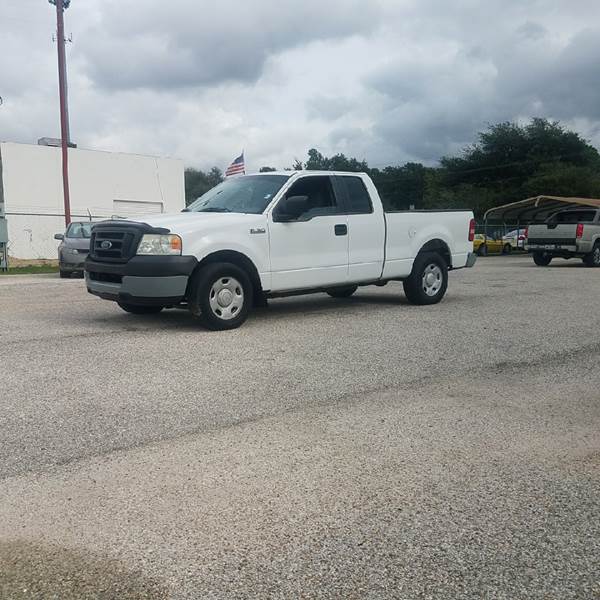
{"x":198,"y":182}
{"x":510,"y":162}
{"x":339,"y":162}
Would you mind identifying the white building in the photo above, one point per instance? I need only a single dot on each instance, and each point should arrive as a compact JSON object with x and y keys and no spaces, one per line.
{"x":102,"y":185}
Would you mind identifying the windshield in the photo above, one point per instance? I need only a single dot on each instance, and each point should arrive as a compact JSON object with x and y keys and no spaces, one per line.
{"x":247,"y":194}
{"x":79,"y":230}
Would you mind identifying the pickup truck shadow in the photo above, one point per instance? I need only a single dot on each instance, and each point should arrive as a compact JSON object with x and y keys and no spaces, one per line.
{"x":277,"y":307}
{"x":322,"y":303}
{"x":32,"y":570}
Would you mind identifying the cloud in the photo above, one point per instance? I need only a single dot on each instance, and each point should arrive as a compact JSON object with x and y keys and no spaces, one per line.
{"x":384,"y":80}
{"x":187,"y":43}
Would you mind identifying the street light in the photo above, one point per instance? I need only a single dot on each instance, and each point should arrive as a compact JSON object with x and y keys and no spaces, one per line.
{"x":61,"y":6}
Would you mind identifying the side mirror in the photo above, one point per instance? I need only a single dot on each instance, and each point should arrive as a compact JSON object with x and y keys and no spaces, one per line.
{"x":290,"y":208}
{"x":59,"y":236}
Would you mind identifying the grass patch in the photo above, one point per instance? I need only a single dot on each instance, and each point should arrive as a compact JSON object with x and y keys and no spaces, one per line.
{"x":30,"y":270}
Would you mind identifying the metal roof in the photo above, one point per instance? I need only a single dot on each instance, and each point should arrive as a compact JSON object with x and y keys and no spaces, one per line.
{"x":537,"y":208}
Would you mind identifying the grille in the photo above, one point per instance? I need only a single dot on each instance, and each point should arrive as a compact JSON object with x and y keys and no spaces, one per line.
{"x":560,"y":241}
{"x":114,"y":243}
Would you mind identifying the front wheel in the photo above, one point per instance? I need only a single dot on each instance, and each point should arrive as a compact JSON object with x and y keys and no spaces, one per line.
{"x":483,"y":250}
{"x":221,"y":296}
{"x":428,"y":281}
{"x":542,"y":259}
{"x":593,"y":258}
{"x":139,"y":309}
{"x":342,"y":292}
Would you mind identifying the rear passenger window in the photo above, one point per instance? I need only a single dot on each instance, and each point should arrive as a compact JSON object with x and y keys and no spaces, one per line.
{"x":357,"y":197}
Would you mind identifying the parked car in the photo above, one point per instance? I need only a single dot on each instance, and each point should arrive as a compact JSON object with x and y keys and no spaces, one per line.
{"x":572,"y":233}
{"x":515,"y":240}
{"x":73,"y":248}
{"x":276,"y":234}
{"x":486,"y":244}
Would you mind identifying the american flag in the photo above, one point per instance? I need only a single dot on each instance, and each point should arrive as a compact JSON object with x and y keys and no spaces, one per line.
{"x":237,"y":167}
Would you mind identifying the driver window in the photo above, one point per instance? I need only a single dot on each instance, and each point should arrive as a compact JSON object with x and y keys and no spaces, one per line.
{"x":321,"y":199}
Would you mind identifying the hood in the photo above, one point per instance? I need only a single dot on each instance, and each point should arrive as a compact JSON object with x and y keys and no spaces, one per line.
{"x":79,"y":243}
{"x":182,"y":223}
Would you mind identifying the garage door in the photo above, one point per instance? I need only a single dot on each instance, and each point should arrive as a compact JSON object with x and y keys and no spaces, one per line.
{"x":132,"y":208}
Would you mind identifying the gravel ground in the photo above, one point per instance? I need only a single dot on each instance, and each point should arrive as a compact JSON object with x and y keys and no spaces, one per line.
{"x":359,"y":448}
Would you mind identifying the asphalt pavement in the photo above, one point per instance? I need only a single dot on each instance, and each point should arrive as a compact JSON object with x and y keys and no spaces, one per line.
{"x":358,"y":448}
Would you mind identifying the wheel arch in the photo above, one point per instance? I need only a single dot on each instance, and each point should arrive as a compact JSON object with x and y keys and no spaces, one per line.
{"x":441,"y":247}
{"x":237,"y":258}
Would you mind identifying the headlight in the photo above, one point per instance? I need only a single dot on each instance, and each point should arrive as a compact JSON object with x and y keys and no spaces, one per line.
{"x":71,"y":251}
{"x":156,"y":244}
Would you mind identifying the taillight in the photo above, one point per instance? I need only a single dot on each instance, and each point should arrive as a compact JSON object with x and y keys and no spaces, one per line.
{"x":579,"y":230}
{"x":526,"y":233}
{"x":472,"y":230}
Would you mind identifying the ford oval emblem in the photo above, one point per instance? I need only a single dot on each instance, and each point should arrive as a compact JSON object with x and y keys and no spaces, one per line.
{"x":105,"y":245}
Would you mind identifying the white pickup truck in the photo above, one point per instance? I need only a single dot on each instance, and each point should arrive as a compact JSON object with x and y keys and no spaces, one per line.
{"x":274,"y":234}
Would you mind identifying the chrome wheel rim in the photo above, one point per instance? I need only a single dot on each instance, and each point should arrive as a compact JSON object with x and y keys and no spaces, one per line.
{"x":432,"y":279}
{"x":596,"y":256}
{"x":226,"y":298}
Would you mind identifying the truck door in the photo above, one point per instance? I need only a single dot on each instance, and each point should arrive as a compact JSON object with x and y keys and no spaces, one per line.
{"x":311,"y":251}
{"x":366,"y":229}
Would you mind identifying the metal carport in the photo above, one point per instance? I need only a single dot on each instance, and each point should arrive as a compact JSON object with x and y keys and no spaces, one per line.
{"x":537,"y":209}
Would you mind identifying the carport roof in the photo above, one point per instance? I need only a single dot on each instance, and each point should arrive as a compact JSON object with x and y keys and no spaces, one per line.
{"x":537,"y":208}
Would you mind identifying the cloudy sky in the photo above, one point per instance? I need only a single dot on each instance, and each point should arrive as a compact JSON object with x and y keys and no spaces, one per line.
{"x":385,"y":80}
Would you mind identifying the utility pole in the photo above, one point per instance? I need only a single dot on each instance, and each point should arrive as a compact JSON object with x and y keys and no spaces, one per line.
{"x":61,"y":6}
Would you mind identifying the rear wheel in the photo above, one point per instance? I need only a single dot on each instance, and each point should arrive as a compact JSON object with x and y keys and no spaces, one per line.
{"x":139,"y":309}
{"x":541,"y":259}
{"x":65,"y":274}
{"x":507,"y":249}
{"x":428,"y":281}
{"x":221,"y":296}
{"x":483,"y":250}
{"x":593,"y":258}
{"x":342,"y":292}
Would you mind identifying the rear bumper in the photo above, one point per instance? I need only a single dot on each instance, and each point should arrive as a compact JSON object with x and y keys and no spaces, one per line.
{"x":147,"y":280}
{"x":579,"y":248}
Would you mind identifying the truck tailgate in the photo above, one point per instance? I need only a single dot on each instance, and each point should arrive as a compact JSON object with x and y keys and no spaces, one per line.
{"x":542,"y":235}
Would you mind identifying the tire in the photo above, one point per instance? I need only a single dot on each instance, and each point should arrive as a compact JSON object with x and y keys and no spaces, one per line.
{"x":593,"y":258}
{"x":482,"y":250}
{"x":342,"y":292}
{"x":221,"y":296}
{"x":139,"y":309}
{"x":507,"y":249}
{"x":64,"y":274}
{"x":541,"y":259}
{"x":428,"y":281}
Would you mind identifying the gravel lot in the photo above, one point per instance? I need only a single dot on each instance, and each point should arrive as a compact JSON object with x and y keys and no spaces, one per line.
{"x":360,"y":448}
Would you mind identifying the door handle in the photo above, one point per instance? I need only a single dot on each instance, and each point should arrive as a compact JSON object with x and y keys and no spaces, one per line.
{"x":341,"y":229}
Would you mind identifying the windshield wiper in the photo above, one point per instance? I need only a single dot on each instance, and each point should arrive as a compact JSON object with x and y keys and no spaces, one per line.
{"x":214,"y":209}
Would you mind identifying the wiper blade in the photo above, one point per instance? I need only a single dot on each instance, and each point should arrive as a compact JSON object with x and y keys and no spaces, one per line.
{"x":214,"y":209}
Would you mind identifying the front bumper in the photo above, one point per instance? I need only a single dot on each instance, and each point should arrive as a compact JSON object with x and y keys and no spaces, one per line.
{"x":144,"y":280}
{"x":71,"y":262}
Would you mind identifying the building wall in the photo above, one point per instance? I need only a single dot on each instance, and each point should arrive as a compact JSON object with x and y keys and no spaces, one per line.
{"x":103,"y":184}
